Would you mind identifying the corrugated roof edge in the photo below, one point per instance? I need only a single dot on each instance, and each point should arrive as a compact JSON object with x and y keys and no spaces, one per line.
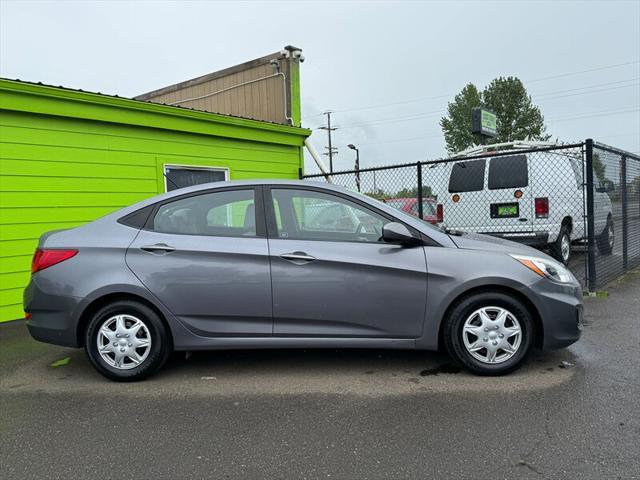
{"x":213,"y":116}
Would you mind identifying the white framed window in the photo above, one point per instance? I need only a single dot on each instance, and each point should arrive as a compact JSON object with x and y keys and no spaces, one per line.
{"x":181,"y":176}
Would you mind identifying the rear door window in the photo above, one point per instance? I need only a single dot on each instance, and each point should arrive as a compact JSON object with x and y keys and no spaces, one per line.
{"x":467,"y":176}
{"x":228,"y":213}
{"x":508,"y":172}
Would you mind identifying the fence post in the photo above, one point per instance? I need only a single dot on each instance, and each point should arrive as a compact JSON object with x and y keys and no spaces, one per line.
{"x":591,"y":236}
{"x":420,"y":212}
{"x":625,"y":218}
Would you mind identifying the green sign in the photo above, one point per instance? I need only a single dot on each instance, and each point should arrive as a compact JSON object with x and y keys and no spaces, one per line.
{"x":483,"y":122}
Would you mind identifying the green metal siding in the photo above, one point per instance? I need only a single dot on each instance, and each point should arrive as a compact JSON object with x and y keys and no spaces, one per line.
{"x":69,"y":157}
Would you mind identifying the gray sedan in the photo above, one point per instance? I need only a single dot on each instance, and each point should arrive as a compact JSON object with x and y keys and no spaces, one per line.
{"x":291,"y":264}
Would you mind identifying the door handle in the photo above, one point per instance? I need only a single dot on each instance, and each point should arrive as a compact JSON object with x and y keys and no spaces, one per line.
{"x":298,"y":257}
{"x":158,"y":247}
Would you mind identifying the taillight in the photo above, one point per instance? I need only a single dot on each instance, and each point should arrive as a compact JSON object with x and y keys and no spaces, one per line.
{"x":439,"y":213}
{"x":44,"y":258}
{"x":542,"y":207}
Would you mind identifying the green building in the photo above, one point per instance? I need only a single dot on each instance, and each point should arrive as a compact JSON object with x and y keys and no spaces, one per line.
{"x":68,"y":157}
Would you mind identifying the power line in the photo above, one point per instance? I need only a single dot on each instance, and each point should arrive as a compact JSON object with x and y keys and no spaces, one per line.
{"x":384,"y":121}
{"x":538,"y":95}
{"x":420,"y":99}
{"x":595,"y":114}
{"x":584,"y":71}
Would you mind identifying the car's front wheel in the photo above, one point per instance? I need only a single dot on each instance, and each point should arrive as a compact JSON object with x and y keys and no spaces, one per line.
{"x":126,"y":341}
{"x":489,"y":333}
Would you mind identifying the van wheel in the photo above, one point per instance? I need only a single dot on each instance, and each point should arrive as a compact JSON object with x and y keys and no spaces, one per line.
{"x":489,"y":333}
{"x":126,"y":341}
{"x":606,"y":239}
{"x":561,"y":248}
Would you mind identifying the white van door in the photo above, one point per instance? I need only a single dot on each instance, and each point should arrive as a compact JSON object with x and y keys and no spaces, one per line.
{"x":465,"y":200}
{"x":510,"y":196}
{"x":490,"y":195}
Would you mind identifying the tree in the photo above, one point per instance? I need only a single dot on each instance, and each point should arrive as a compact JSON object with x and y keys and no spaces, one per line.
{"x":413,"y":192}
{"x":517,"y":117}
{"x":598,"y":168}
{"x":457,"y":125}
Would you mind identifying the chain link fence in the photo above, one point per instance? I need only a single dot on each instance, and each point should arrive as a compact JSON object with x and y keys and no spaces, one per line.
{"x":616,"y":182}
{"x":580,"y":202}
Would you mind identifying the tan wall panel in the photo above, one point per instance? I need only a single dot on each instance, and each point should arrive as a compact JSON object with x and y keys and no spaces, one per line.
{"x":262,"y":100}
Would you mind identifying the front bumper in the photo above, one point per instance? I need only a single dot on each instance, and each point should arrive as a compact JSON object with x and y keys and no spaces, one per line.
{"x":561,"y":312}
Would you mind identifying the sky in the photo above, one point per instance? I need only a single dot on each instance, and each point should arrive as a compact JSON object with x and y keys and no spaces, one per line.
{"x":386,"y":69}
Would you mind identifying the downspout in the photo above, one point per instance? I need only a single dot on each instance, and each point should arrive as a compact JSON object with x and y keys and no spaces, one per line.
{"x":317,"y":159}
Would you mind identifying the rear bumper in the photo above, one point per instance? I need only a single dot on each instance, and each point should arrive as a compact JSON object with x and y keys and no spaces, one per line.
{"x":532,"y":239}
{"x":52,"y":318}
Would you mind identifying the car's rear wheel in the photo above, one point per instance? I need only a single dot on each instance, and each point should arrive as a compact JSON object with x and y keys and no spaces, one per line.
{"x":561,"y":248}
{"x":126,"y":341}
{"x":489,"y":333}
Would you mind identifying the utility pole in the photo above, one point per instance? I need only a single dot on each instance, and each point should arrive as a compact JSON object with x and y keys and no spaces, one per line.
{"x":331,"y":150}
{"x":357,"y":164}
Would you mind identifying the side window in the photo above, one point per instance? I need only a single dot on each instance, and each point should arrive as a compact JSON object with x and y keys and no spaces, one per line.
{"x":508,"y":172}
{"x":180,"y":176}
{"x":428,"y":208}
{"x":310,"y":215}
{"x":230,"y":213}
{"x":467,"y":176}
{"x":577,"y":171}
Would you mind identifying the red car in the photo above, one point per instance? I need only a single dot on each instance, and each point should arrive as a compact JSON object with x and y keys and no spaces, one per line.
{"x":410,"y":206}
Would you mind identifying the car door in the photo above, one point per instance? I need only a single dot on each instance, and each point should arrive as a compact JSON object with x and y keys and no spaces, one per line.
{"x":333,"y":276}
{"x":205,"y":257}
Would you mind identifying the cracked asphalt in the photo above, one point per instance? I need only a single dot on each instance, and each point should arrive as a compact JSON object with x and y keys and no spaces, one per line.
{"x":331,"y":414}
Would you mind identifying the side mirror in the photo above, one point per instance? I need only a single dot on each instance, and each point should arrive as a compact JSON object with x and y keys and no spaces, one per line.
{"x":394,"y":232}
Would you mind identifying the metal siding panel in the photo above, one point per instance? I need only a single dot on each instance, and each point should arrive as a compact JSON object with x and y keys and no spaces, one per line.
{"x":59,"y":172}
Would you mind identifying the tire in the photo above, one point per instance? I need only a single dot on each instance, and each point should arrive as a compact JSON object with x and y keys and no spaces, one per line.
{"x":465,"y":312}
{"x":561,"y":248}
{"x":143,"y":339}
{"x":606,"y":239}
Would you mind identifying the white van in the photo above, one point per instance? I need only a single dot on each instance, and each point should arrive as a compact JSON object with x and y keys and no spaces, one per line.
{"x":534,"y":198}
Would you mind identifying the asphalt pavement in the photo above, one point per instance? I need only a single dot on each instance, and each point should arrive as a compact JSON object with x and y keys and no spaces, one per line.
{"x":331,"y":414}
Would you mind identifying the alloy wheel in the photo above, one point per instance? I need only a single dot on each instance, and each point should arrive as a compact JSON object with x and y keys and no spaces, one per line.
{"x":492,"y":335}
{"x":123,"y":341}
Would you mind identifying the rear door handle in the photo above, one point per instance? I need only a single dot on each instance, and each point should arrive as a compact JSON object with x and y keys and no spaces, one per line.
{"x":298,"y":257}
{"x":158,"y":247}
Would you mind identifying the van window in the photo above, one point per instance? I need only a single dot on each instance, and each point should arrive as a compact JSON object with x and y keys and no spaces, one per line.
{"x":467,"y":176}
{"x":508,"y":172}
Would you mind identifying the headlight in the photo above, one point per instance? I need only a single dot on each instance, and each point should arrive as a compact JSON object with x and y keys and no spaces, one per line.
{"x":546,"y":268}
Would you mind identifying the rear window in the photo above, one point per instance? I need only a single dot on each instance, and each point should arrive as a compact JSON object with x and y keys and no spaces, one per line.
{"x":508,"y":172}
{"x":399,"y":204}
{"x":467,"y":176}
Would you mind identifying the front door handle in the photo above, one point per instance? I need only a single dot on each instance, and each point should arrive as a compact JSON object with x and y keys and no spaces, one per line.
{"x":158,"y":248}
{"x":298,"y":257}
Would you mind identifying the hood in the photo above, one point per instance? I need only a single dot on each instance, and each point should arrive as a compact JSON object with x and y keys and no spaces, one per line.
{"x":476,"y":241}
